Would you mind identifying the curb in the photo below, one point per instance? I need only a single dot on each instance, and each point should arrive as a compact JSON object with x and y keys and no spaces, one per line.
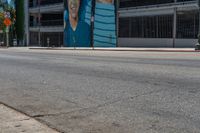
{"x":130,"y":49}
{"x":3,"y":47}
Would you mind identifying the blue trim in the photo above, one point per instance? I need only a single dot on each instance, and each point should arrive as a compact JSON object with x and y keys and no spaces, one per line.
{"x":111,"y":10}
{"x":97,"y":21}
{"x":109,"y":26}
{"x":103,"y":32}
{"x":102,"y":42}
{"x":105,"y":12}
{"x":105,"y":39}
{"x":109,"y":30}
{"x":113,"y":37}
{"x":105,"y":15}
{"x":105,"y":19}
{"x":105,"y":6}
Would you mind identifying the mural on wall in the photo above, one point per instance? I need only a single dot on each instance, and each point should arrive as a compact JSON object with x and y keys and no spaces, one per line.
{"x":77,"y":23}
{"x":105,"y":24}
{"x":76,"y":29}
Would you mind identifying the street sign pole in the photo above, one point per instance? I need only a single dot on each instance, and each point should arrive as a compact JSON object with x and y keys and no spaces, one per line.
{"x":7,"y":22}
{"x":7,"y":36}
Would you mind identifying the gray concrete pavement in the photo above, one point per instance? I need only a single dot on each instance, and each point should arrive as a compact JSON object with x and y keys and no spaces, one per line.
{"x":12,"y":121}
{"x":104,"y":91}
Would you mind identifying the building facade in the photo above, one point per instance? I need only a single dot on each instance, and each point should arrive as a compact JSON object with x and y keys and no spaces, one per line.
{"x":158,"y":23}
{"x":141,"y":23}
{"x":50,"y":23}
{"x":44,"y":19}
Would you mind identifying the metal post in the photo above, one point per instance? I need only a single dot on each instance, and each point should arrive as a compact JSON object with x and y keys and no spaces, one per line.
{"x":199,"y":15}
{"x":117,"y":21}
{"x":92,"y":22}
{"x":48,"y":41}
{"x":174,"y":26}
{"x":39,"y":40}
{"x":7,"y":36}
{"x":197,"y":46}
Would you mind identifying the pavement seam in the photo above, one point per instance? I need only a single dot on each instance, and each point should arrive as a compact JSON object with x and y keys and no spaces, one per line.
{"x":50,"y":125}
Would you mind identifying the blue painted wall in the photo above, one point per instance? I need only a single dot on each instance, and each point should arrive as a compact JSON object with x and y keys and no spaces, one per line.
{"x":104,"y":26}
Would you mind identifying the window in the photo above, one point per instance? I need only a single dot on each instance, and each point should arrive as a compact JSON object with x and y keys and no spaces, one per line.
{"x":124,"y":27}
{"x":147,"y":27}
{"x":165,"y":26}
{"x":187,"y":24}
{"x":135,"y":3}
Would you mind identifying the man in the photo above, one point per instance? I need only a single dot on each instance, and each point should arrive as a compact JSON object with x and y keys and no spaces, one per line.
{"x":77,"y":31}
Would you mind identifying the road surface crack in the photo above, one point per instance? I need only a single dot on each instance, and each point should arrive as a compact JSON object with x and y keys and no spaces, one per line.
{"x":98,"y":106}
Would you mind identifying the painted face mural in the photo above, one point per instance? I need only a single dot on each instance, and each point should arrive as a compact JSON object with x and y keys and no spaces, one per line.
{"x":77,"y":30}
{"x":73,"y":7}
{"x":77,"y":16}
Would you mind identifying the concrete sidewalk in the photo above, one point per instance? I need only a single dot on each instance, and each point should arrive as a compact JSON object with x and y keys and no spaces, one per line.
{"x":12,"y":121}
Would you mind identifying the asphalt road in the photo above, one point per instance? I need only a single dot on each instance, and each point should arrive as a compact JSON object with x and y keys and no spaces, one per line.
{"x":104,"y":92}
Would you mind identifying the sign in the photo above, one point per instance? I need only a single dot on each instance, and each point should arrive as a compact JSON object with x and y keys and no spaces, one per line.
{"x":7,"y":22}
{"x":7,"y":14}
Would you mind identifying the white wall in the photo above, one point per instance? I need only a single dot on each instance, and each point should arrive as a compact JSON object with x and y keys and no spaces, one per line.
{"x":190,"y":43}
{"x":156,"y":42}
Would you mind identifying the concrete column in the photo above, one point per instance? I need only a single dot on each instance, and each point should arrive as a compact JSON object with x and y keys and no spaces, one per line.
{"x":26,"y":20}
{"x":34,"y":20}
{"x":174,"y":26}
{"x":34,"y":3}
